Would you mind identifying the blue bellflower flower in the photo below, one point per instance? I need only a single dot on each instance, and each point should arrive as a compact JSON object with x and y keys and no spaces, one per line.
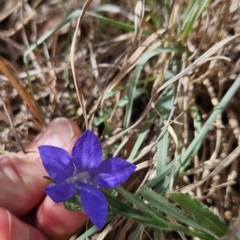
{"x":84,"y":172}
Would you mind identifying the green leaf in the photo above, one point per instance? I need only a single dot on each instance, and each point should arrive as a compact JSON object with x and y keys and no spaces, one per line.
{"x":73,"y":204}
{"x":162,"y":224}
{"x":152,"y":218}
{"x":163,"y":205}
{"x":138,"y":202}
{"x":200,"y":213}
{"x":146,"y":220}
{"x":117,"y":204}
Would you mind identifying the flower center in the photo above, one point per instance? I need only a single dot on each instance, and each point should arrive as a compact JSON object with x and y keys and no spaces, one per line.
{"x":83,"y":177}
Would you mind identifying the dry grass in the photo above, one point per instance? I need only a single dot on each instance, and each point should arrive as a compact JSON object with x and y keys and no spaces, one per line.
{"x":104,"y":58}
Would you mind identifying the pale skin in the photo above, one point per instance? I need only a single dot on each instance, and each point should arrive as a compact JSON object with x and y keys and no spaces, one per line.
{"x":25,"y":210}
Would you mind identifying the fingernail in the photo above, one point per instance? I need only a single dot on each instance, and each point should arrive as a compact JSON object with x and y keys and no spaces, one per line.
{"x":58,"y":133}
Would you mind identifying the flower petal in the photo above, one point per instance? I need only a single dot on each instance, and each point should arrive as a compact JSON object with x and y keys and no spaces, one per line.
{"x":61,"y":192}
{"x":113,"y":172}
{"x":87,"y":152}
{"x":57,"y":162}
{"x":94,"y":204}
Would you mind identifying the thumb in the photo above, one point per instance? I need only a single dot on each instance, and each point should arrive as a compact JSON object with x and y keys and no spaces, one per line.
{"x":61,"y":132}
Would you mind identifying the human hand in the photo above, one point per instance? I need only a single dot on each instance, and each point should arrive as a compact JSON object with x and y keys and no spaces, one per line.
{"x":22,"y":197}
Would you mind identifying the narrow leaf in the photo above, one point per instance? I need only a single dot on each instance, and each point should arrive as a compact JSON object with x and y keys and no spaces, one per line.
{"x":162,"y":204}
{"x":201,"y":213}
{"x":159,"y":220}
{"x":161,"y":224}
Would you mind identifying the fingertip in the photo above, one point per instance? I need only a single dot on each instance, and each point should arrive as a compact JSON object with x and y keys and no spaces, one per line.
{"x":61,"y":132}
{"x":13,"y":228}
{"x":56,"y":221}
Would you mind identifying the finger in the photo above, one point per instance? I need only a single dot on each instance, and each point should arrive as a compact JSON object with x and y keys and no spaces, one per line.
{"x":61,"y":132}
{"x":13,"y":228}
{"x":21,"y":175}
{"x":57,"y":222}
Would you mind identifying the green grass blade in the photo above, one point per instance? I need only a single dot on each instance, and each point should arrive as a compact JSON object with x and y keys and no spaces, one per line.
{"x":156,"y":234}
{"x":200,"y":213}
{"x":44,"y":37}
{"x":192,"y":13}
{"x":146,"y":220}
{"x":161,"y":224}
{"x":162,"y":152}
{"x":117,"y":204}
{"x":137,"y":201}
{"x":164,"y":106}
{"x":192,"y":150}
{"x":197,"y":125}
{"x":70,"y":17}
{"x":188,"y":13}
{"x":125,"y":100}
{"x":87,"y":234}
{"x":137,"y":232}
{"x":144,"y":58}
{"x":140,"y":140}
{"x":158,"y":220}
{"x":163,"y":205}
{"x":145,"y":129}
{"x":92,"y":230}
{"x":162,"y":174}
{"x":117,"y":24}
{"x":193,"y":147}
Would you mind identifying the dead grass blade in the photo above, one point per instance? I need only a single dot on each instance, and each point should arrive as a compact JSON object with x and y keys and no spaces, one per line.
{"x":199,"y":61}
{"x":138,"y":17}
{"x":94,"y":66}
{"x":127,"y":68}
{"x":72,"y":50}
{"x":223,"y":164}
{"x":130,"y":64}
{"x":8,"y":70}
{"x":12,"y":125}
{"x":9,"y":7}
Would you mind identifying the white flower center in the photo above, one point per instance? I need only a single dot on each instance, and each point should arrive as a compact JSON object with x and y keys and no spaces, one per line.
{"x":83,"y":177}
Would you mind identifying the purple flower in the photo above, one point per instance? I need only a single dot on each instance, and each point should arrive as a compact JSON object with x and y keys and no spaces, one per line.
{"x":84,"y":172}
